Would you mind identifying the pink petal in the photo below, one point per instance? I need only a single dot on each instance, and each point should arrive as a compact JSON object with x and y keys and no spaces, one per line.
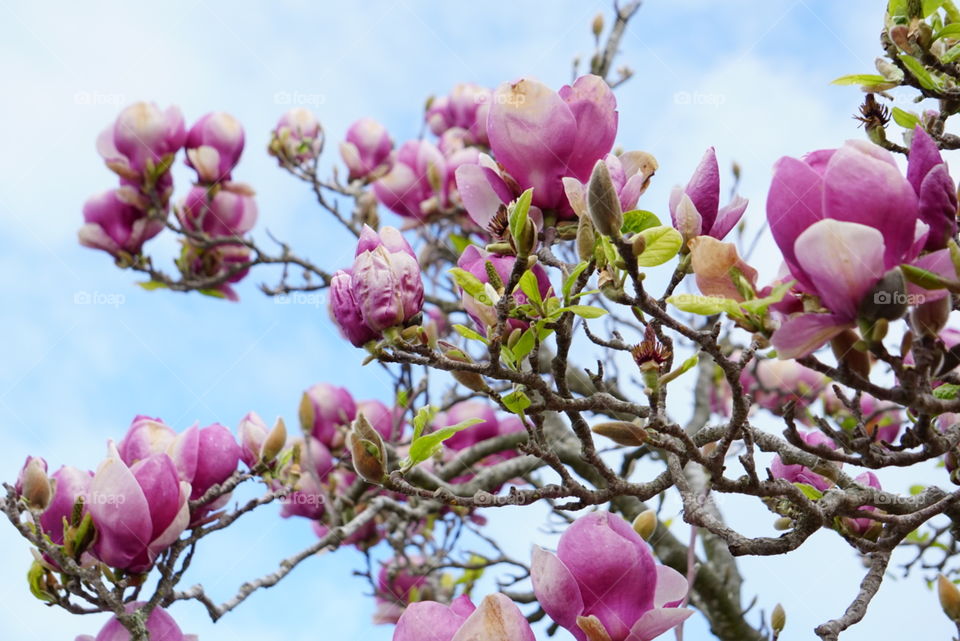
{"x":656,"y":622}
{"x":671,"y":587}
{"x":480,"y":199}
{"x":704,"y":188}
{"x":802,"y":335}
{"x":594,"y":107}
{"x":728,"y":217}
{"x":119,"y":510}
{"x":795,"y":202}
{"x":496,"y":619}
{"x":843,"y":260}
{"x":938,"y":262}
{"x":555,"y":588}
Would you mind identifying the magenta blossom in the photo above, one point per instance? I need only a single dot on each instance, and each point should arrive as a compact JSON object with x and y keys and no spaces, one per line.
{"x":205,"y":457}
{"x":484,"y":314}
{"x":484,"y":191}
{"x":799,"y":473}
{"x":772,"y":383}
{"x":138,"y":510}
{"x":385,"y":288}
{"x":414,"y":187}
{"x":230,"y":261}
{"x":882,"y":420}
{"x":540,"y":136}
{"x":630,"y":173}
{"x":604,"y":574}
{"x":842,"y":219}
{"x":466,"y":108}
{"x":297,"y":138}
{"x":927,"y":173}
{"x":326,"y":410}
{"x":252,"y":433}
{"x":160,"y":626}
{"x":388,"y":423}
{"x":142,"y":136}
{"x":115,"y":225}
{"x":462,"y":411}
{"x":226,"y":211}
{"x":695,"y":209}
{"x":366,"y":149}
{"x":497,"y":619}
{"x":214,"y":145}
{"x":862,"y":525}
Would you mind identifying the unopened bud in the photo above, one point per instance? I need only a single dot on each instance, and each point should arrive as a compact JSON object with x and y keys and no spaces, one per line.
{"x":367,"y":451}
{"x":597,"y":25}
{"x":778,"y":618}
{"x":586,"y":239}
{"x":898,"y":34}
{"x":783,"y":524}
{"x":470,"y":380}
{"x":274,"y":442}
{"x":887,"y":299}
{"x":603,"y":203}
{"x":638,"y":244}
{"x":949,"y":598}
{"x":645,"y":524}
{"x":927,"y":319}
{"x":844,"y":346}
{"x":621,"y":432}
{"x":36,"y":486}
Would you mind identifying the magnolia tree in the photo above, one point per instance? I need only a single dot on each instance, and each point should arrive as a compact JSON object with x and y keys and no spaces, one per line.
{"x":525,"y":302}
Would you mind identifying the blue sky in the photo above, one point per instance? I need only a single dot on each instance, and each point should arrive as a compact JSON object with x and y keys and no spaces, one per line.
{"x":750,"y":78}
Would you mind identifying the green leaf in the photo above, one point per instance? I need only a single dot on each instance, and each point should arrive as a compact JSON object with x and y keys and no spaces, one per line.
{"x":212,"y":293}
{"x":809,"y":491}
{"x":635,"y":221}
{"x":518,"y":217}
{"x":897,"y":8}
{"x":528,"y":285}
{"x":470,"y":334}
{"x":424,"y":416}
{"x":917,"y":489}
{"x":905,"y":119}
{"x":468,"y":282}
{"x":951,"y":54}
{"x":924,"y":77}
{"x":868,"y":79}
{"x":151,"y":285}
{"x":403,"y":397}
{"x":569,"y":282}
{"x":525,"y":344}
{"x":517,"y":401}
{"x":663,"y":243}
{"x":760,"y":305}
{"x":947,"y":391}
{"x":929,"y":6}
{"x":949,"y":31}
{"x":584,"y":311}
{"x":704,"y":305}
{"x":426,"y":445}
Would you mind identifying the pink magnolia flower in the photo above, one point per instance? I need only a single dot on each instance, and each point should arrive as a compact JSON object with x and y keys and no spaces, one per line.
{"x":138,"y":510}
{"x":695,"y":209}
{"x":229,"y":210}
{"x":385,"y":288}
{"x":297,"y":137}
{"x":773,"y":383}
{"x":366,"y":149}
{"x":160,"y":625}
{"x":883,"y":419}
{"x":145,"y":436}
{"x":842,"y":219}
{"x":141,"y":136}
{"x":860,"y":526}
{"x":630,"y":172}
{"x":205,"y":457}
{"x":474,"y":260}
{"x":466,"y":108}
{"x":414,"y":187}
{"x":214,"y":145}
{"x":540,"y":136}
{"x":799,"y":473}
{"x":309,"y":497}
{"x":114,"y":225}
{"x":497,"y":619}
{"x":325,"y":410}
{"x":388,"y":422}
{"x":252,"y":433}
{"x":485,"y":191}
{"x":604,"y":574}
{"x":230,"y":261}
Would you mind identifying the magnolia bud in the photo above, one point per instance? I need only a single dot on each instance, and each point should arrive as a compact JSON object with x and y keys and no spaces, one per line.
{"x":645,"y":524}
{"x":638,"y":244}
{"x":778,"y":618}
{"x":949,"y":598}
{"x":586,"y":239}
{"x":367,"y":451}
{"x":783,"y":523}
{"x":603,"y":203}
{"x":274,"y":442}
{"x":621,"y":432}
{"x":470,"y":380}
{"x":597,"y":25}
{"x":845,"y":350}
{"x":35,"y":484}
{"x":927,"y":319}
{"x":887,"y":299}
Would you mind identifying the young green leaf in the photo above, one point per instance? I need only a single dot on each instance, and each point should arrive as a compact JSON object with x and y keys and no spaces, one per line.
{"x":518,"y":217}
{"x":424,"y":416}
{"x":426,"y":445}
{"x":809,"y":491}
{"x":569,"y":282}
{"x":704,"y":305}
{"x":636,"y":220}
{"x":924,"y":77}
{"x":868,"y":79}
{"x":662,"y":244}
{"x":584,"y":311}
{"x":468,"y":282}
{"x":528,"y":285}
{"x":517,"y":401}
{"x":905,"y":119}
{"x":470,"y":334}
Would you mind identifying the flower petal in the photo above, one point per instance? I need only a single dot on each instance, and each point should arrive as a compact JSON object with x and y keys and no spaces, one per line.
{"x":555,"y":588}
{"x":671,"y":587}
{"x":656,"y":622}
{"x":802,"y":335}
